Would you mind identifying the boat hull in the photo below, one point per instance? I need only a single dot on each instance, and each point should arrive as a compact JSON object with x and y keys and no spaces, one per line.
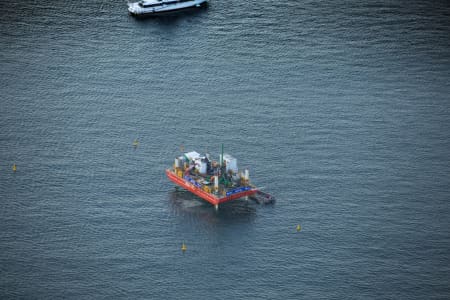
{"x":211,"y":198}
{"x":167,"y":11}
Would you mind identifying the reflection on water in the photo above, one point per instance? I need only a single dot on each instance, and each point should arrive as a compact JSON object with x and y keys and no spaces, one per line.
{"x":184,"y":203}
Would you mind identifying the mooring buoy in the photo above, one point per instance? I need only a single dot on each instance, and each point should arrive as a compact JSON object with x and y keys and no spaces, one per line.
{"x":135,"y":143}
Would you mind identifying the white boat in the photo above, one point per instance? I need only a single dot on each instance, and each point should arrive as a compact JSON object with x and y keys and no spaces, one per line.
{"x":155,"y":7}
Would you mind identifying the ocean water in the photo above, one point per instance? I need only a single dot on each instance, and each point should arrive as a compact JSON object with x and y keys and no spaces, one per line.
{"x":340,"y":109}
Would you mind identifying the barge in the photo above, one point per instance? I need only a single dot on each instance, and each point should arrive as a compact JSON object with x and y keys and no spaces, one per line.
{"x":214,"y":181}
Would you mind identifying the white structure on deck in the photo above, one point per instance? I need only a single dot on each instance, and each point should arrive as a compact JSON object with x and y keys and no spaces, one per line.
{"x":153,"y":7}
{"x":192,"y":155}
{"x":230,"y":162}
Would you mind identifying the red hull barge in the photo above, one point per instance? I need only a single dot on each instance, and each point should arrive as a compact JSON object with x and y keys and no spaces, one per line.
{"x":212,"y":198}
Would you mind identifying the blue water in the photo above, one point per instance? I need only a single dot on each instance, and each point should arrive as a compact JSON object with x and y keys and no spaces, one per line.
{"x":340,"y":109}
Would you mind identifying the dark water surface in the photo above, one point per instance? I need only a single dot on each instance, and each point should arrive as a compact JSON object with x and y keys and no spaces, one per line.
{"x":341,"y":109}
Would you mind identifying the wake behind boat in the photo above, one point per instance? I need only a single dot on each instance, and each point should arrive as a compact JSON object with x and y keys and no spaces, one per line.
{"x":155,"y":7}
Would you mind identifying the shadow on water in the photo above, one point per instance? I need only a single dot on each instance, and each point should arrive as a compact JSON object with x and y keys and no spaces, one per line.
{"x":186,"y":204}
{"x":172,"y":18}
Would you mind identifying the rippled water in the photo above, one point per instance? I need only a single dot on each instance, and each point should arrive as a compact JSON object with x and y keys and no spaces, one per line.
{"x":340,"y":109}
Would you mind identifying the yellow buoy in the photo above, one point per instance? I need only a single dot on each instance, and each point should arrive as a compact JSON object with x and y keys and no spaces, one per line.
{"x":14,"y":167}
{"x":135,"y":143}
{"x":183,"y":247}
{"x":299,"y":228}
